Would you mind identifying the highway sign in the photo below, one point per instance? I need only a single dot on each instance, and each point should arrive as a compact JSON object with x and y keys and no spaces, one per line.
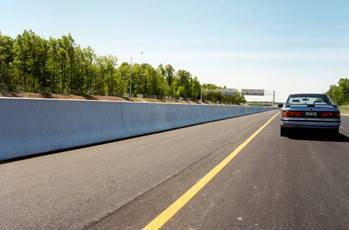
{"x":252,"y":92}
{"x":229,"y":91}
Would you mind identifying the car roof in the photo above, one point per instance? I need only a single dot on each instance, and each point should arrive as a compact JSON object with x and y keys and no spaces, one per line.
{"x":307,"y":94}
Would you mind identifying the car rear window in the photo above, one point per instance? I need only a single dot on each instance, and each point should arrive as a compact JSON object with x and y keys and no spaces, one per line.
{"x":308,"y":100}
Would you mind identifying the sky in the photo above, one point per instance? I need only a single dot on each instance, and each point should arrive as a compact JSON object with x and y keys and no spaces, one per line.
{"x":287,"y":46}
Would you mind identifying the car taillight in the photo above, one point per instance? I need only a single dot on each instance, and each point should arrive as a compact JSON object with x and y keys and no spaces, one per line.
{"x":330,"y":114}
{"x":298,"y":114}
{"x":292,"y":114}
{"x":288,"y":114}
{"x":325,"y":114}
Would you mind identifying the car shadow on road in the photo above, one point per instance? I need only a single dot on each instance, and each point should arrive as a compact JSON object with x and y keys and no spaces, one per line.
{"x":317,"y":135}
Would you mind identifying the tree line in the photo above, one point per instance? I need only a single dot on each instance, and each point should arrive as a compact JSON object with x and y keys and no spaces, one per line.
{"x":340,"y":92}
{"x":31,"y":63}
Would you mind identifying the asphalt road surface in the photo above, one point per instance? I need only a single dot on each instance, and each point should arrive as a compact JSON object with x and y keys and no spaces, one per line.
{"x":273,"y":182}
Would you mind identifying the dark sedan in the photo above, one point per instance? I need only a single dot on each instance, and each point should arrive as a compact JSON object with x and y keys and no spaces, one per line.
{"x":315,"y":111}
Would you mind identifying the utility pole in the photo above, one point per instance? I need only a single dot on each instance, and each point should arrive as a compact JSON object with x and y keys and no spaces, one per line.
{"x":273,"y":97}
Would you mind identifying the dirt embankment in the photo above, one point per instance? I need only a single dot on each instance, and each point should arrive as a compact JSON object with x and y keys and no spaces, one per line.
{"x":89,"y":97}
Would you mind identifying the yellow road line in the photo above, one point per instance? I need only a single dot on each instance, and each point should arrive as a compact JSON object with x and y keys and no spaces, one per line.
{"x":169,"y":212}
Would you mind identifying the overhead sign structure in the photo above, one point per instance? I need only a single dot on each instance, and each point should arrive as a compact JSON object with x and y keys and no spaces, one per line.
{"x":252,"y":92}
{"x":228,"y":91}
{"x":223,"y":91}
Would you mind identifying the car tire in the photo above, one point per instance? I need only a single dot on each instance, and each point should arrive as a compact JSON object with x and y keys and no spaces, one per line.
{"x":335,"y":132}
{"x":283,"y":131}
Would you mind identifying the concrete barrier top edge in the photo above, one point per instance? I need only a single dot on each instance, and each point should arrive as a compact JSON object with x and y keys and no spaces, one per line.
{"x":110,"y":101}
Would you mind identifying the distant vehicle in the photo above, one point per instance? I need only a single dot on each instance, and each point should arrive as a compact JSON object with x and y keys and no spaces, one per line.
{"x":315,"y":111}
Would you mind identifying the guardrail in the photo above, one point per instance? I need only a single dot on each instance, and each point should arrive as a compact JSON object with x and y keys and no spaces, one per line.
{"x":33,"y":126}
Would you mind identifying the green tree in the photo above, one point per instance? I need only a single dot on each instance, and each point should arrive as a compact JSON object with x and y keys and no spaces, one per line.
{"x":340,"y":93}
{"x":124,"y":71}
{"x":138,"y":78}
{"x":88,"y":69}
{"x":195,"y":88}
{"x":59,"y":65}
{"x":67,"y":44}
{"x":6,"y":59}
{"x":31,"y":54}
{"x":151,"y":80}
{"x":168,"y":73}
{"x":105,"y":81}
{"x":183,"y":81}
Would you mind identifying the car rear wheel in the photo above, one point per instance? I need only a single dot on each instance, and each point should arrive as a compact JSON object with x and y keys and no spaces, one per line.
{"x":283,"y":131}
{"x":335,"y":131}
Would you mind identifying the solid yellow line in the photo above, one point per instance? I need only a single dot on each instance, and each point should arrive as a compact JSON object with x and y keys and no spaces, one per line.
{"x":169,"y":212}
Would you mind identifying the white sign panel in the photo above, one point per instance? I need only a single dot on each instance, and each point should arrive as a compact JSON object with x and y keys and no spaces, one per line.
{"x":253,"y":92}
{"x":229,"y":91}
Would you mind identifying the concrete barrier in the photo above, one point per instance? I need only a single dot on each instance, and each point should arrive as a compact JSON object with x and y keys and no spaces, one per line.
{"x":32,"y":126}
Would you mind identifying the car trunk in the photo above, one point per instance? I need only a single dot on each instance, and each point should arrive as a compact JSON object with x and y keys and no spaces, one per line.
{"x":312,"y":111}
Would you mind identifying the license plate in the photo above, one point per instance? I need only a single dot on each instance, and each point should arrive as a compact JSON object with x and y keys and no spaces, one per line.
{"x":310,"y":114}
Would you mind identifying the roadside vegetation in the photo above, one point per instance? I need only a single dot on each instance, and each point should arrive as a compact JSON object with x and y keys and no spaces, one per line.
{"x":51,"y":67}
{"x":344,"y":109}
{"x":340,"y":94}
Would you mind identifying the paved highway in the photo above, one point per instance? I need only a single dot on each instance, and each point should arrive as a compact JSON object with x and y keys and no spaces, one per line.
{"x":260,"y":181}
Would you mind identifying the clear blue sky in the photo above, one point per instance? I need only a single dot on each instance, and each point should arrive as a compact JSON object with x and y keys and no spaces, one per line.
{"x":289,"y":46}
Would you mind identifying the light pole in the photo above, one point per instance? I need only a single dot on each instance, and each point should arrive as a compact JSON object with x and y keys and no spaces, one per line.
{"x":201,"y":94}
{"x":140,"y":65}
{"x":130,"y":90}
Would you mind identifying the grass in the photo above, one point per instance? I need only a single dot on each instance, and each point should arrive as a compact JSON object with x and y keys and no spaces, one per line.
{"x":344,"y":109}
{"x":86,"y":97}
{"x":153,"y":100}
{"x":97,"y":97}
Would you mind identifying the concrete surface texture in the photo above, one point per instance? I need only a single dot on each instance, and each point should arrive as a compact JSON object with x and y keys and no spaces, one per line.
{"x":32,"y":126}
